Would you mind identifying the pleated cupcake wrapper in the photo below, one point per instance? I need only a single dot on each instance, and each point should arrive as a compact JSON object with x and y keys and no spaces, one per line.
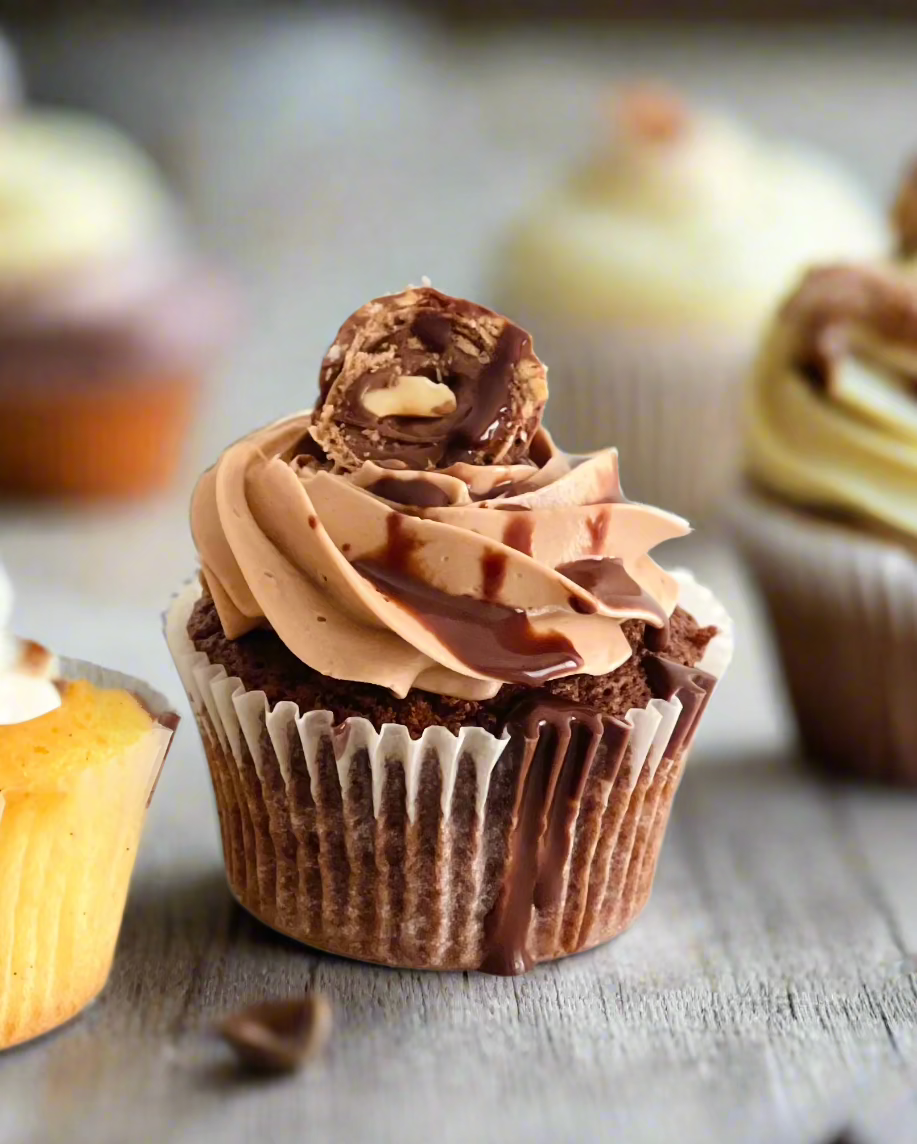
{"x":844,"y":611}
{"x":670,"y":401}
{"x":369,"y":843}
{"x":67,"y":853}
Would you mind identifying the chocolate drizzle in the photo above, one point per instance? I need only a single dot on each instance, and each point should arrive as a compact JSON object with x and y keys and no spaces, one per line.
{"x":492,"y":639}
{"x":691,"y":685}
{"x":605,"y":578}
{"x":493,"y":573}
{"x":558,"y":745}
{"x":415,"y":492}
{"x":519,"y":533}
{"x":492,"y":406}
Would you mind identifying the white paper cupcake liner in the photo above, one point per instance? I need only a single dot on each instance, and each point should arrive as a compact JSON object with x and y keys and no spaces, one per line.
{"x":68,"y":851}
{"x":670,"y":401}
{"x":371,"y":844}
{"x":844,"y":611}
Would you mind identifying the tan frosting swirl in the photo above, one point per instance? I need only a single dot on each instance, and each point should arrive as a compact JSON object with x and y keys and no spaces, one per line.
{"x":454,"y":581}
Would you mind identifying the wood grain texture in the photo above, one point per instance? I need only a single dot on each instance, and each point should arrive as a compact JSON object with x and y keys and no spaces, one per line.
{"x":769,"y":992}
{"x":768,"y":982}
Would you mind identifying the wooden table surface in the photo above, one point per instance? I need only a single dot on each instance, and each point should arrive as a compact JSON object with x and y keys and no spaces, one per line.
{"x":769,"y":992}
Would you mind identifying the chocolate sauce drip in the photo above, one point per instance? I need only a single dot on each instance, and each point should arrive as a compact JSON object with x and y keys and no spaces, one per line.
{"x":691,"y":685}
{"x":519,"y":533}
{"x":491,"y":406}
{"x":657,"y":639}
{"x":512,"y":508}
{"x":493,"y":639}
{"x":417,"y":493}
{"x":558,"y":746}
{"x":493,"y":573}
{"x":400,"y":546}
{"x":605,"y":578}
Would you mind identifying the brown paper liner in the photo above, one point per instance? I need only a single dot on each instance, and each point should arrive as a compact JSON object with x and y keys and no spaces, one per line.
{"x":844,"y":611}
{"x":669,"y":399}
{"x":369,"y":844}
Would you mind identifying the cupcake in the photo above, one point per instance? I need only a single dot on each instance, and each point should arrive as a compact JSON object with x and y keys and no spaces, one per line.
{"x":108,"y":322}
{"x":445,"y":695}
{"x":646,"y":279}
{"x":80,"y":751}
{"x":830,"y":526}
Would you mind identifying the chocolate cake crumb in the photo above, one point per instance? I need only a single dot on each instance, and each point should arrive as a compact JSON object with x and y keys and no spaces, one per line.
{"x":263,"y":663}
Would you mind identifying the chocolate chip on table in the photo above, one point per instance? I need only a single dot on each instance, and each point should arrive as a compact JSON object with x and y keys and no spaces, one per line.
{"x":279,"y":1036}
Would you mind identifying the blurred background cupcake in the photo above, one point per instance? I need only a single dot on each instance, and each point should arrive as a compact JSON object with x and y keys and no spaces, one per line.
{"x":108,"y":321}
{"x":830,"y":526}
{"x":645,"y":279}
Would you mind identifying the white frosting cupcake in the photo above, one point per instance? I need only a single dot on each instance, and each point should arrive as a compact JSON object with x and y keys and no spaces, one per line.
{"x":75,"y":193}
{"x":646,"y":277}
{"x":686,"y":218}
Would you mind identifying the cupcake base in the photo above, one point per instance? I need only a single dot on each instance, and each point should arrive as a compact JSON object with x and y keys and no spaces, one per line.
{"x":66,"y":859}
{"x":96,"y":439}
{"x":669,"y":400}
{"x":445,"y":851}
{"x":844,"y":611}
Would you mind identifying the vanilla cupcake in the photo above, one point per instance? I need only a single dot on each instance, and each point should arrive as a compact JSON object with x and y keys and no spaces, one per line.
{"x":108,"y":321}
{"x":80,"y":751}
{"x":646,"y":279}
{"x":445,"y":694}
{"x":830,"y":527}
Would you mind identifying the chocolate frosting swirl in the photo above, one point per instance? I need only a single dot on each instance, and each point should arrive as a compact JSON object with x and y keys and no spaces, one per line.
{"x":453,"y":581}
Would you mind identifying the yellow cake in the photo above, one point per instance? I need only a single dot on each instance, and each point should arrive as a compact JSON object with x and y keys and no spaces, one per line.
{"x":75,"y":782}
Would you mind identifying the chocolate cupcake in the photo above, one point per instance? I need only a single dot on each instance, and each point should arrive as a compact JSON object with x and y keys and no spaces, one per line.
{"x":830,"y":522}
{"x":445,"y":694}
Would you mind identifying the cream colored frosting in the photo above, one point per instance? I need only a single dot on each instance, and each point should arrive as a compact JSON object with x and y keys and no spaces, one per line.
{"x":833,"y":408}
{"x":278,"y":538}
{"x":684,"y":219}
{"x":27,"y":671}
{"x":73,"y":191}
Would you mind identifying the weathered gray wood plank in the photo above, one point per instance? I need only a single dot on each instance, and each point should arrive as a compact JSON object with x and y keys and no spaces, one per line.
{"x":765,"y":982}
